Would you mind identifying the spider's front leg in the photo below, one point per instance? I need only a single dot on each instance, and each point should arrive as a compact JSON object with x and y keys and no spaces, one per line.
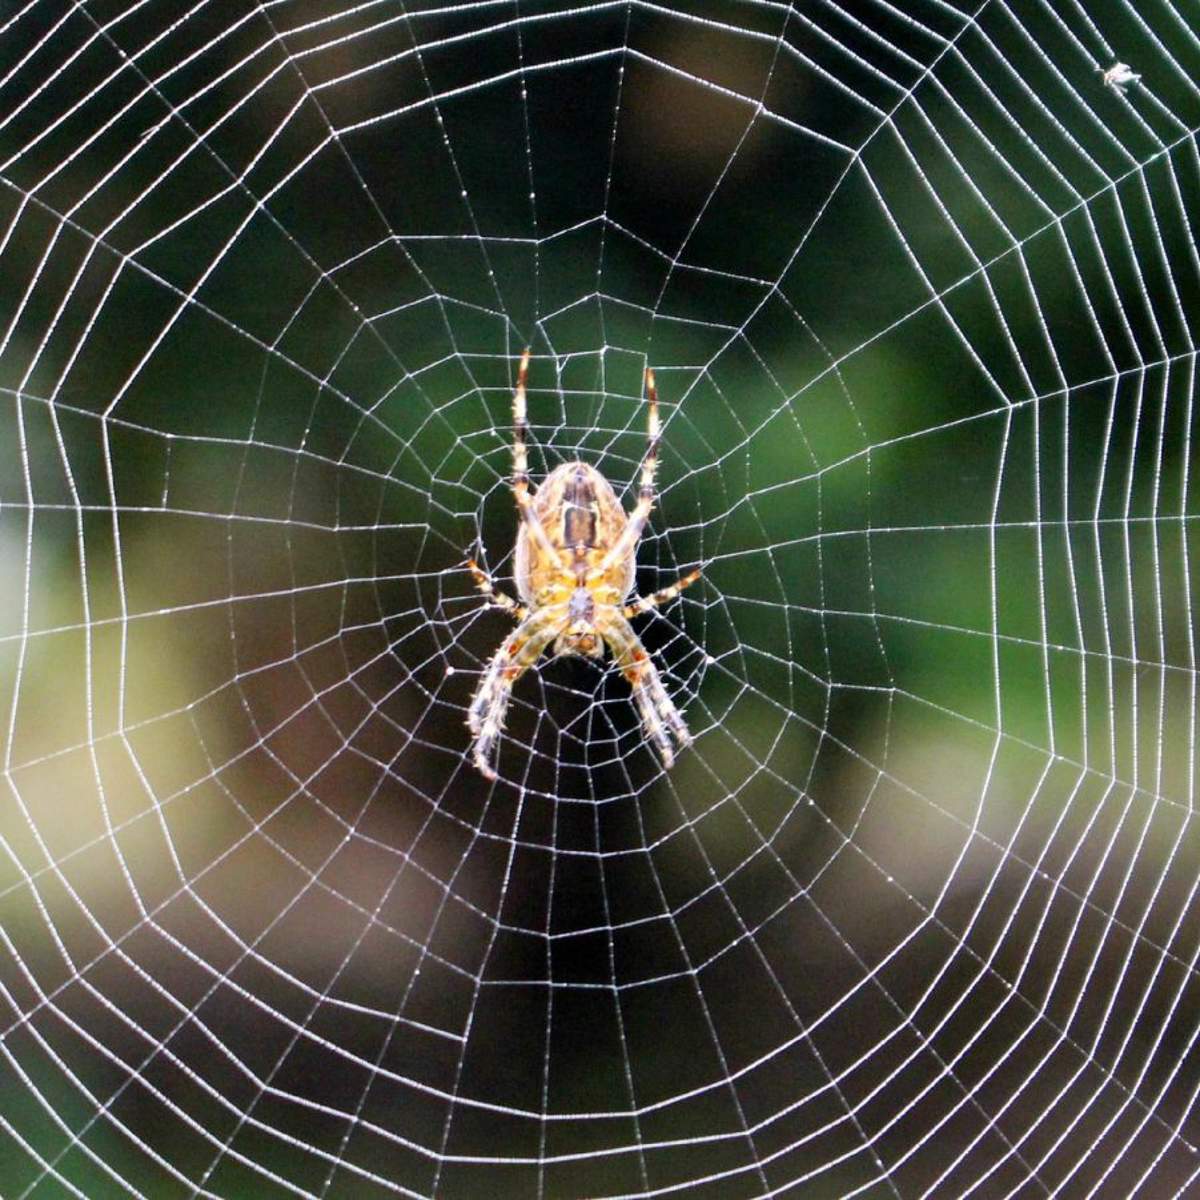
{"x":661,"y":720}
{"x":520,"y":476}
{"x":624,"y":546}
{"x":517,"y":653}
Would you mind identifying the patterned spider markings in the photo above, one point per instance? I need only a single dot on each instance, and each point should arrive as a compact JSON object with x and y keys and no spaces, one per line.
{"x":574,"y":566}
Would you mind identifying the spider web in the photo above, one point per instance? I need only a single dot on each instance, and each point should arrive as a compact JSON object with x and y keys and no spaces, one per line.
{"x":915,"y":915}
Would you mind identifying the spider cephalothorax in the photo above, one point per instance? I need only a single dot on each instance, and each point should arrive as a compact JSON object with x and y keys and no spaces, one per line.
{"x":574,"y":565}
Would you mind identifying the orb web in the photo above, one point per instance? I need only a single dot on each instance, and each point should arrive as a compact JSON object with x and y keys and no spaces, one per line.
{"x":915,"y":914}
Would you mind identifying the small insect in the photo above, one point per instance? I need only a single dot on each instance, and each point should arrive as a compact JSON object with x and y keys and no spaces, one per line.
{"x":1119,"y":77}
{"x":574,"y":565}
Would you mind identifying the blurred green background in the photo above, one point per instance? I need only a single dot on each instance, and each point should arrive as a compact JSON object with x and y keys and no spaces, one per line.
{"x":919,"y":294}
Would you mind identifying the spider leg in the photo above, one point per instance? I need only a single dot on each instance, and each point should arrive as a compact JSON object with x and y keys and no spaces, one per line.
{"x":641,"y":604}
{"x":661,"y":720}
{"x":515,"y":655}
{"x":485,"y":583}
{"x":623,"y":547}
{"x":520,"y":480}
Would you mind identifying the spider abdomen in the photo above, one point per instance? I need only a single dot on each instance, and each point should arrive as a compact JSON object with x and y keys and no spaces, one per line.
{"x":583,"y":519}
{"x":580,"y":510}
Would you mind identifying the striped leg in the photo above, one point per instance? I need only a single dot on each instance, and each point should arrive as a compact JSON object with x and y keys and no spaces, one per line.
{"x":520,"y":483}
{"x":517,"y":653}
{"x":661,"y":720}
{"x":484,"y":582}
{"x":643,"y":604}
{"x":622,"y":548}
{"x":521,"y":427}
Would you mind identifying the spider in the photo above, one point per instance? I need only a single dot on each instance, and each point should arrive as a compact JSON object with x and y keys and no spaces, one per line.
{"x":1118,"y":77}
{"x":573,"y":565}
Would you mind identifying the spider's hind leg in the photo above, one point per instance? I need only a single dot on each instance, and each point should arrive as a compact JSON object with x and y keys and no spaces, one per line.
{"x":661,"y":720}
{"x":515,"y":655}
